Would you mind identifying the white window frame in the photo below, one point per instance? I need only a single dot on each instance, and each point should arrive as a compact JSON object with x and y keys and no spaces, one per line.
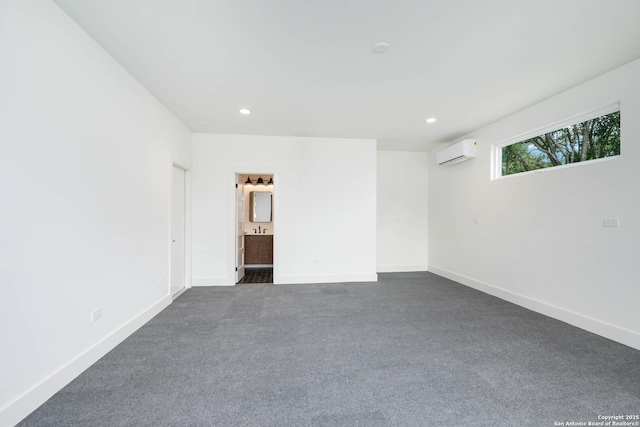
{"x":496,"y":172}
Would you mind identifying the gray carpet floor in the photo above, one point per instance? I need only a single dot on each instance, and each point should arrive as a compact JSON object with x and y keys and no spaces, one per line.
{"x":413,"y":349}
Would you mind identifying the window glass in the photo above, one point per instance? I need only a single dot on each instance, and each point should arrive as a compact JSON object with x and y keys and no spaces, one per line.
{"x":591,"y":139}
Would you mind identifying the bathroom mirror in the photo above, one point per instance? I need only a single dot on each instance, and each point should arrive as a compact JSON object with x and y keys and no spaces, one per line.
{"x":260,"y":206}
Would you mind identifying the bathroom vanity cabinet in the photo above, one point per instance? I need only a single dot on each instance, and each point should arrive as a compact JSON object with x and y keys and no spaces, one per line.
{"x":258,"y":249}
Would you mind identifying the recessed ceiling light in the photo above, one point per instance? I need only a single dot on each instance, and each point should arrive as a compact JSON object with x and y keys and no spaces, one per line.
{"x":431,"y":120}
{"x":245,"y":111}
{"x":381,"y":47}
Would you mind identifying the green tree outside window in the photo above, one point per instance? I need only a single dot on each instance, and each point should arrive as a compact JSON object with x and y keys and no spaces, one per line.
{"x":589,"y":140}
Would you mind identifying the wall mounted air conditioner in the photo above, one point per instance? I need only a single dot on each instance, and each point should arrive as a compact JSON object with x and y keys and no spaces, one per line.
{"x":458,"y":152}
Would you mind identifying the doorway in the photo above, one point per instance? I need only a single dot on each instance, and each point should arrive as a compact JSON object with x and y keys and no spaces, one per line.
{"x":239,"y":232}
{"x":254,"y":229}
{"x":177,"y":281}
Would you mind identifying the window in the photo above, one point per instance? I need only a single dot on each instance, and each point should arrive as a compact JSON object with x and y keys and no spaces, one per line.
{"x":592,"y":136}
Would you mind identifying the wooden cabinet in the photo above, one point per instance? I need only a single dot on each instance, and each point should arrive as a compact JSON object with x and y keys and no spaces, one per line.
{"x":258,"y":249}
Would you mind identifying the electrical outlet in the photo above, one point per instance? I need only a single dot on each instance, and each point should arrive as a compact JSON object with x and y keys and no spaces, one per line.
{"x":611,"y":222}
{"x":476,"y":220}
{"x":96,"y":314}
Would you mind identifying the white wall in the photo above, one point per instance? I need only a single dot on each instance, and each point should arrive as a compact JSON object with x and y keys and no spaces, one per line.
{"x":85,"y":163}
{"x":402,"y":211}
{"x":540,"y":241}
{"x":324,"y":206}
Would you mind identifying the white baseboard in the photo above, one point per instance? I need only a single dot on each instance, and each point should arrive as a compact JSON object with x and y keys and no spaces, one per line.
{"x":607,"y":330}
{"x":213,"y":281}
{"x":17,"y":410}
{"x":288,"y":280}
{"x":338,"y":278}
{"x":401,"y":268}
{"x":177,"y":294}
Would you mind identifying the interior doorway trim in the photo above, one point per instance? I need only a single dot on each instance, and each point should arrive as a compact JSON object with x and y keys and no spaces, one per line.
{"x":231,"y":236}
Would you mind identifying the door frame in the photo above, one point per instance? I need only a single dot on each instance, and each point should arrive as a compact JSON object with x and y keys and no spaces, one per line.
{"x":239,"y":195}
{"x":187,"y":228}
{"x":231,"y":239}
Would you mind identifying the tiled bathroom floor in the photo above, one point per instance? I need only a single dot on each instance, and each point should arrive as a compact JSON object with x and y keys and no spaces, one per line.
{"x":257,"y":275}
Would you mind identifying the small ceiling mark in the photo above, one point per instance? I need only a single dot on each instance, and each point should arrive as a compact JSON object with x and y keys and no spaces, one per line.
{"x":381,"y":47}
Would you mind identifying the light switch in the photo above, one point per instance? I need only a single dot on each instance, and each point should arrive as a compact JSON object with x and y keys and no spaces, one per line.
{"x":611,"y":222}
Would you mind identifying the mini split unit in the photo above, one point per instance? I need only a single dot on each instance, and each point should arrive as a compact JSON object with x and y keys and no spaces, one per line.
{"x":458,"y":152}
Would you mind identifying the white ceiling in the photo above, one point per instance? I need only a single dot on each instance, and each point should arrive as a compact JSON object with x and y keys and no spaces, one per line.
{"x":307,"y":68}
